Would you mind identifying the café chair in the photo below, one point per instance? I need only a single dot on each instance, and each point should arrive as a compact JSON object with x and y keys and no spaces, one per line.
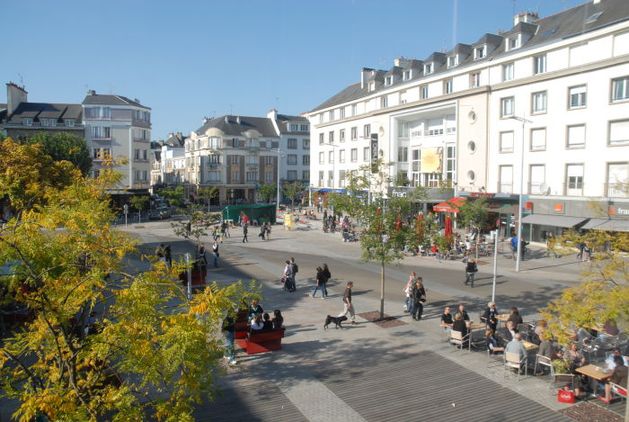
{"x":617,"y":390}
{"x":458,"y":339}
{"x":513,"y":361}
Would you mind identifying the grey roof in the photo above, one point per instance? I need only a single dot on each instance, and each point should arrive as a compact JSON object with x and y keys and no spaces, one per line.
{"x":284,"y":120}
{"x":566,"y":24}
{"x":176,"y":140}
{"x":45,"y":110}
{"x":462,"y":49}
{"x":230,"y":126}
{"x":106,"y":99}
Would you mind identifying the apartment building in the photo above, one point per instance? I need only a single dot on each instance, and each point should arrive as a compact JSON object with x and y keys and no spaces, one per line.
{"x":119,"y":129}
{"x":168,"y":161}
{"x":22,"y":119}
{"x":544,"y":106}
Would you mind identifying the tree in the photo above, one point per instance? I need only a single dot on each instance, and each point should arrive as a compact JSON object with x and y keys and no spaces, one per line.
{"x":149,"y":352}
{"x":293,"y":190}
{"x":65,"y":146}
{"x":175,"y":195}
{"x":139,"y":202}
{"x":384,"y":221}
{"x":267,"y":192}
{"x":401,"y":180}
{"x":196,"y":225}
{"x":473,"y":214}
{"x":206,"y":194}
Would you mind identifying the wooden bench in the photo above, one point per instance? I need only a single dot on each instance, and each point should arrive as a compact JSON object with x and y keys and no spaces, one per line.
{"x":262,"y":341}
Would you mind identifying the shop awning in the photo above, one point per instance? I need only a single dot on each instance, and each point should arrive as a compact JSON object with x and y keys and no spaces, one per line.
{"x":553,"y":220}
{"x":611,"y":225}
{"x":451,"y":205}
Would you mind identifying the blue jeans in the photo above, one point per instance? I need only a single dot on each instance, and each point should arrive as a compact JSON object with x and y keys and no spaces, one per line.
{"x":318,"y":287}
{"x":229,"y":345}
{"x":215,"y":260}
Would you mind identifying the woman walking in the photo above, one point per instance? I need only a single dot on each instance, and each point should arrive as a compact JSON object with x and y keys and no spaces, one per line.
{"x":319,"y":279}
{"x":326,"y":277}
{"x":407,"y":291}
{"x":419,"y":297}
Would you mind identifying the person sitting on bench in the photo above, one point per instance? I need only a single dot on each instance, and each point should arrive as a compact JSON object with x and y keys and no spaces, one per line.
{"x":257,"y":324}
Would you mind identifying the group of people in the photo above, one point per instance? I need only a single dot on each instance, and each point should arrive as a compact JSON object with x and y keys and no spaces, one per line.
{"x":265,"y":231}
{"x":415,"y":296}
{"x":288,"y":275}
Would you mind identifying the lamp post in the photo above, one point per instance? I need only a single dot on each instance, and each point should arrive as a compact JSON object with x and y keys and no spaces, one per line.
{"x":524,"y":121}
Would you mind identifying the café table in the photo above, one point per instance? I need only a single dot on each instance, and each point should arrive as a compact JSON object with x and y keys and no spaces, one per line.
{"x":529,"y":346}
{"x":596,"y":372}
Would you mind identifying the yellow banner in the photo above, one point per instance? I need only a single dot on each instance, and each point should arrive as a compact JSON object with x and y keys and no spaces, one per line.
{"x":431,"y":160}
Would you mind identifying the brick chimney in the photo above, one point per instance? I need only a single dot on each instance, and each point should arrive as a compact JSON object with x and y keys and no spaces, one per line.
{"x":15,"y":96}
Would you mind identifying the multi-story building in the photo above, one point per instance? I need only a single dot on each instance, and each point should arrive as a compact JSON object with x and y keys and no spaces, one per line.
{"x":544,"y":106}
{"x":120,"y":129}
{"x":238,"y":154}
{"x":168,"y":161}
{"x":22,"y":119}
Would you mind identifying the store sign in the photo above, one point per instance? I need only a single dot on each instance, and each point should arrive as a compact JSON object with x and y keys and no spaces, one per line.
{"x":558,"y":208}
{"x":528,"y":205}
{"x":614,"y":210}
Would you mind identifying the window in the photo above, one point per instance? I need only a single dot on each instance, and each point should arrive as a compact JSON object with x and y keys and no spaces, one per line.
{"x":538,"y":139}
{"x":305,"y":160}
{"x":447,"y":86}
{"x":341,"y":156}
{"x":574,"y":179}
{"x":539,"y":64}
{"x":100,"y":132}
{"x":321,"y":138}
{"x":507,"y":72}
{"x":450,"y":162}
{"x":292,"y":143}
{"x":513,"y":42}
{"x":372,"y":86}
{"x":453,"y":61}
{"x":291,"y":174}
{"x":342,"y":178}
{"x":342,"y":112}
{"x":331,"y":157}
{"x":402,"y":154}
{"x":305,"y":175}
{"x":403,"y":129}
{"x":354,"y":109}
{"x":506,"y":141}
{"x":27,"y":122}
{"x":619,"y":132}
{"x":321,"y":158}
{"x":423,"y":92}
{"x":69,"y":122}
{"x":214,"y":176}
{"x":507,"y":106}
{"x":252,"y":176}
{"x":291,"y":159}
{"x":342,"y":135}
{"x":406,"y":75}
{"x":428,"y":68}
{"x":354,"y":133}
{"x":367,"y":131}
{"x":480,"y":52}
{"x":474,"y":80}
{"x":366,"y":155}
{"x":505,"y":181}
{"x":538,"y":102}
{"x":331,"y":115}
{"x":331,"y":137}
{"x":537,"y":179}
{"x":144,"y":154}
{"x":384,"y":101}
{"x":388,"y":80}
{"x":354,"y":155}
{"x":98,"y":113}
{"x":275,"y":144}
{"x":575,"y":136}
{"x":306,"y":144}
{"x":617,"y":179}
{"x":321,"y":178}
{"x":303,"y":128}
{"x":577,"y":97}
{"x":620,"y":89}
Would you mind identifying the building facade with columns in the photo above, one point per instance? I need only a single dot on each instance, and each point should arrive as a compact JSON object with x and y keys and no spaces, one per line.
{"x":544,"y":106}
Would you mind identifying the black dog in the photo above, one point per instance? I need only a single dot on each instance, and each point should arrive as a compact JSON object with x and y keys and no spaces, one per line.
{"x":336,"y":320}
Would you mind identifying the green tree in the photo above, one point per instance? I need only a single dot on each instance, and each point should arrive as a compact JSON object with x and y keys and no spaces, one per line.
{"x":148,"y":352}
{"x":401,"y":180}
{"x":385,"y":231}
{"x":139,"y":202}
{"x":65,"y":146}
{"x":175,"y":195}
{"x":196,"y":223}
{"x":267,"y":191}
{"x":292,"y":191}
{"x":207,"y":194}
{"x":474,"y":214}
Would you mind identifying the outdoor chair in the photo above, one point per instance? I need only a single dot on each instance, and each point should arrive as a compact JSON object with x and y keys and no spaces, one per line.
{"x":543,"y":361}
{"x":513,"y":361}
{"x":617,"y":390}
{"x":458,"y":339}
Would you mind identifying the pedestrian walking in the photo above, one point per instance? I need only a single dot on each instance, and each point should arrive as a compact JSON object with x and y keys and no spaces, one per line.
{"x":268,"y":231}
{"x":168,"y":257}
{"x":470,"y":272}
{"x":348,"y":306}
{"x":159,"y":252}
{"x":408,"y":305}
{"x":295,"y":270}
{"x":245,"y":230}
{"x":419,"y":297}
{"x":262,"y":231}
{"x":201,"y":258}
{"x":327,"y":275}
{"x":319,"y":280}
{"x":288,"y":278}
{"x":215,"y":253}
{"x":229,"y":328}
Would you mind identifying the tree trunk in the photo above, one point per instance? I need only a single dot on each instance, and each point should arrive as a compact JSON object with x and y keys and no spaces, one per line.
{"x":382,"y":290}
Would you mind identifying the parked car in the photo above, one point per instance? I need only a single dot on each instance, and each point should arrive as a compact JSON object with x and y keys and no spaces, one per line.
{"x":160,"y":213}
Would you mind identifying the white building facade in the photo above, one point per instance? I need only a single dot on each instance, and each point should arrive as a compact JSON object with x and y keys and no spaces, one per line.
{"x":552,"y":93}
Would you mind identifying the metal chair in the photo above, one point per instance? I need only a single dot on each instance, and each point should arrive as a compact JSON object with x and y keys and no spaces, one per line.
{"x":458,"y":339}
{"x":617,"y":390}
{"x":513,"y":361}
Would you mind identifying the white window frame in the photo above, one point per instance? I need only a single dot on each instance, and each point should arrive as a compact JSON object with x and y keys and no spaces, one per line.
{"x":448,"y":86}
{"x":341,"y":135}
{"x":503,"y":141}
{"x":621,"y":132}
{"x":423,"y":92}
{"x":578,"y":93}
{"x":354,"y":155}
{"x":480,"y":52}
{"x":539,"y":64}
{"x":508,"y":72}
{"x":578,"y":181}
{"x":388,"y":80}
{"x":321,"y":157}
{"x":574,"y":144}
{"x":505,"y":111}
{"x":453,"y":61}
{"x":617,"y":188}
{"x":502,"y":184}
{"x":429,"y":68}
{"x":474,"y":79}
{"x":535,"y":98}
{"x":354,"y":133}
{"x":535,"y":186}
{"x":407,"y":75}
{"x":620,"y":85}
{"x":535,"y":145}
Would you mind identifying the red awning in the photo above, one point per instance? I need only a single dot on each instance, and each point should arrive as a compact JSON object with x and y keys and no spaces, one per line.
{"x":451,"y":205}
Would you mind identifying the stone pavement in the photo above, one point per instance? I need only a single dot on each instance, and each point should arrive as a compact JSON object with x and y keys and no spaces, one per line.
{"x":365,"y":372}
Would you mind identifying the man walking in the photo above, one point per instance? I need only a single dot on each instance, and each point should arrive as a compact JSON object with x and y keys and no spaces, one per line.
{"x":245,"y":230}
{"x":347,"y":302}
{"x":470,"y":272}
{"x":215,"y":253}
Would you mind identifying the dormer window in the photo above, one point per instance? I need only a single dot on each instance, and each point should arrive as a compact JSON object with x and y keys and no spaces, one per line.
{"x":428,"y":68}
{"x":69,"y":122}
{"x":27,"y":122}
{"x":453,"y":61}
{"x":372,"y":86}
{"x":480,"y":52}
{"x":388,"y":81}
{"x":513,"y":42}
{"x":407,"y":74}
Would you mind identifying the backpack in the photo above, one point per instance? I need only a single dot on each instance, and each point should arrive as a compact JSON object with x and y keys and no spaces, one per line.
{"x":295,"y":268}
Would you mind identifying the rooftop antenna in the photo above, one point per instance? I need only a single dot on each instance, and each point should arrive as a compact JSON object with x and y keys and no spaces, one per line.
{"x":21,"y":79}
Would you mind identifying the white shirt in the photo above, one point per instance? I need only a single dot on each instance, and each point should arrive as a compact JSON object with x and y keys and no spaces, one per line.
{"x":610,"y":362}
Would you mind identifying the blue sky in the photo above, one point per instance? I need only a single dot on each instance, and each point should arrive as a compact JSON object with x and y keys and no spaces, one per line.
{"x":189,"y":59}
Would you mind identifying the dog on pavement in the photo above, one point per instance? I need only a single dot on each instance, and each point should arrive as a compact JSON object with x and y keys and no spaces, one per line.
{"x":336,"y":320}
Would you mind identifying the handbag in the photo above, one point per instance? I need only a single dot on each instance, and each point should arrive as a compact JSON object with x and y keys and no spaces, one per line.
{"x":566,"y":395}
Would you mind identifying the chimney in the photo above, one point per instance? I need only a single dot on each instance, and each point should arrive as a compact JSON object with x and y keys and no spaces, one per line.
{"x":15,"y":96}
{"x":227,"y":119}
{"x":136,"y":100}
{"x":272,"y":114}
{"x":596,"y":1}
{"x":526,"y":17}
{"x":91,"y":92}
{"x":365,"y":72}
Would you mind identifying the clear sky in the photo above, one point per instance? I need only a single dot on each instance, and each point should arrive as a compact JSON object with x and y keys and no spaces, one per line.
{"x":189,"y":59}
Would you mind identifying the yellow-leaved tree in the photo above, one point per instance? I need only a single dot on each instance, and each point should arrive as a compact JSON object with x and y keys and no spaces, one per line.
{"x":106,"y":341}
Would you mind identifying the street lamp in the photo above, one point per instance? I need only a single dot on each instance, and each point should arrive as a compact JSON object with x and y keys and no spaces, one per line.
{"x":524,"y":121}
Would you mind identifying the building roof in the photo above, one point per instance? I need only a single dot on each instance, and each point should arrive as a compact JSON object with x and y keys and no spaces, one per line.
{"x":92,"y":98}
{"x":176,"y":140}
{"x":44,"y":110}
{"x":237,"y":125}
{"x":563,"y":25}
{"x":284,"y":121}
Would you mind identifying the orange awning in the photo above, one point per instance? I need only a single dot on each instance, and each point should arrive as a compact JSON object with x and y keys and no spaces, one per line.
{"x":451,"y":205}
